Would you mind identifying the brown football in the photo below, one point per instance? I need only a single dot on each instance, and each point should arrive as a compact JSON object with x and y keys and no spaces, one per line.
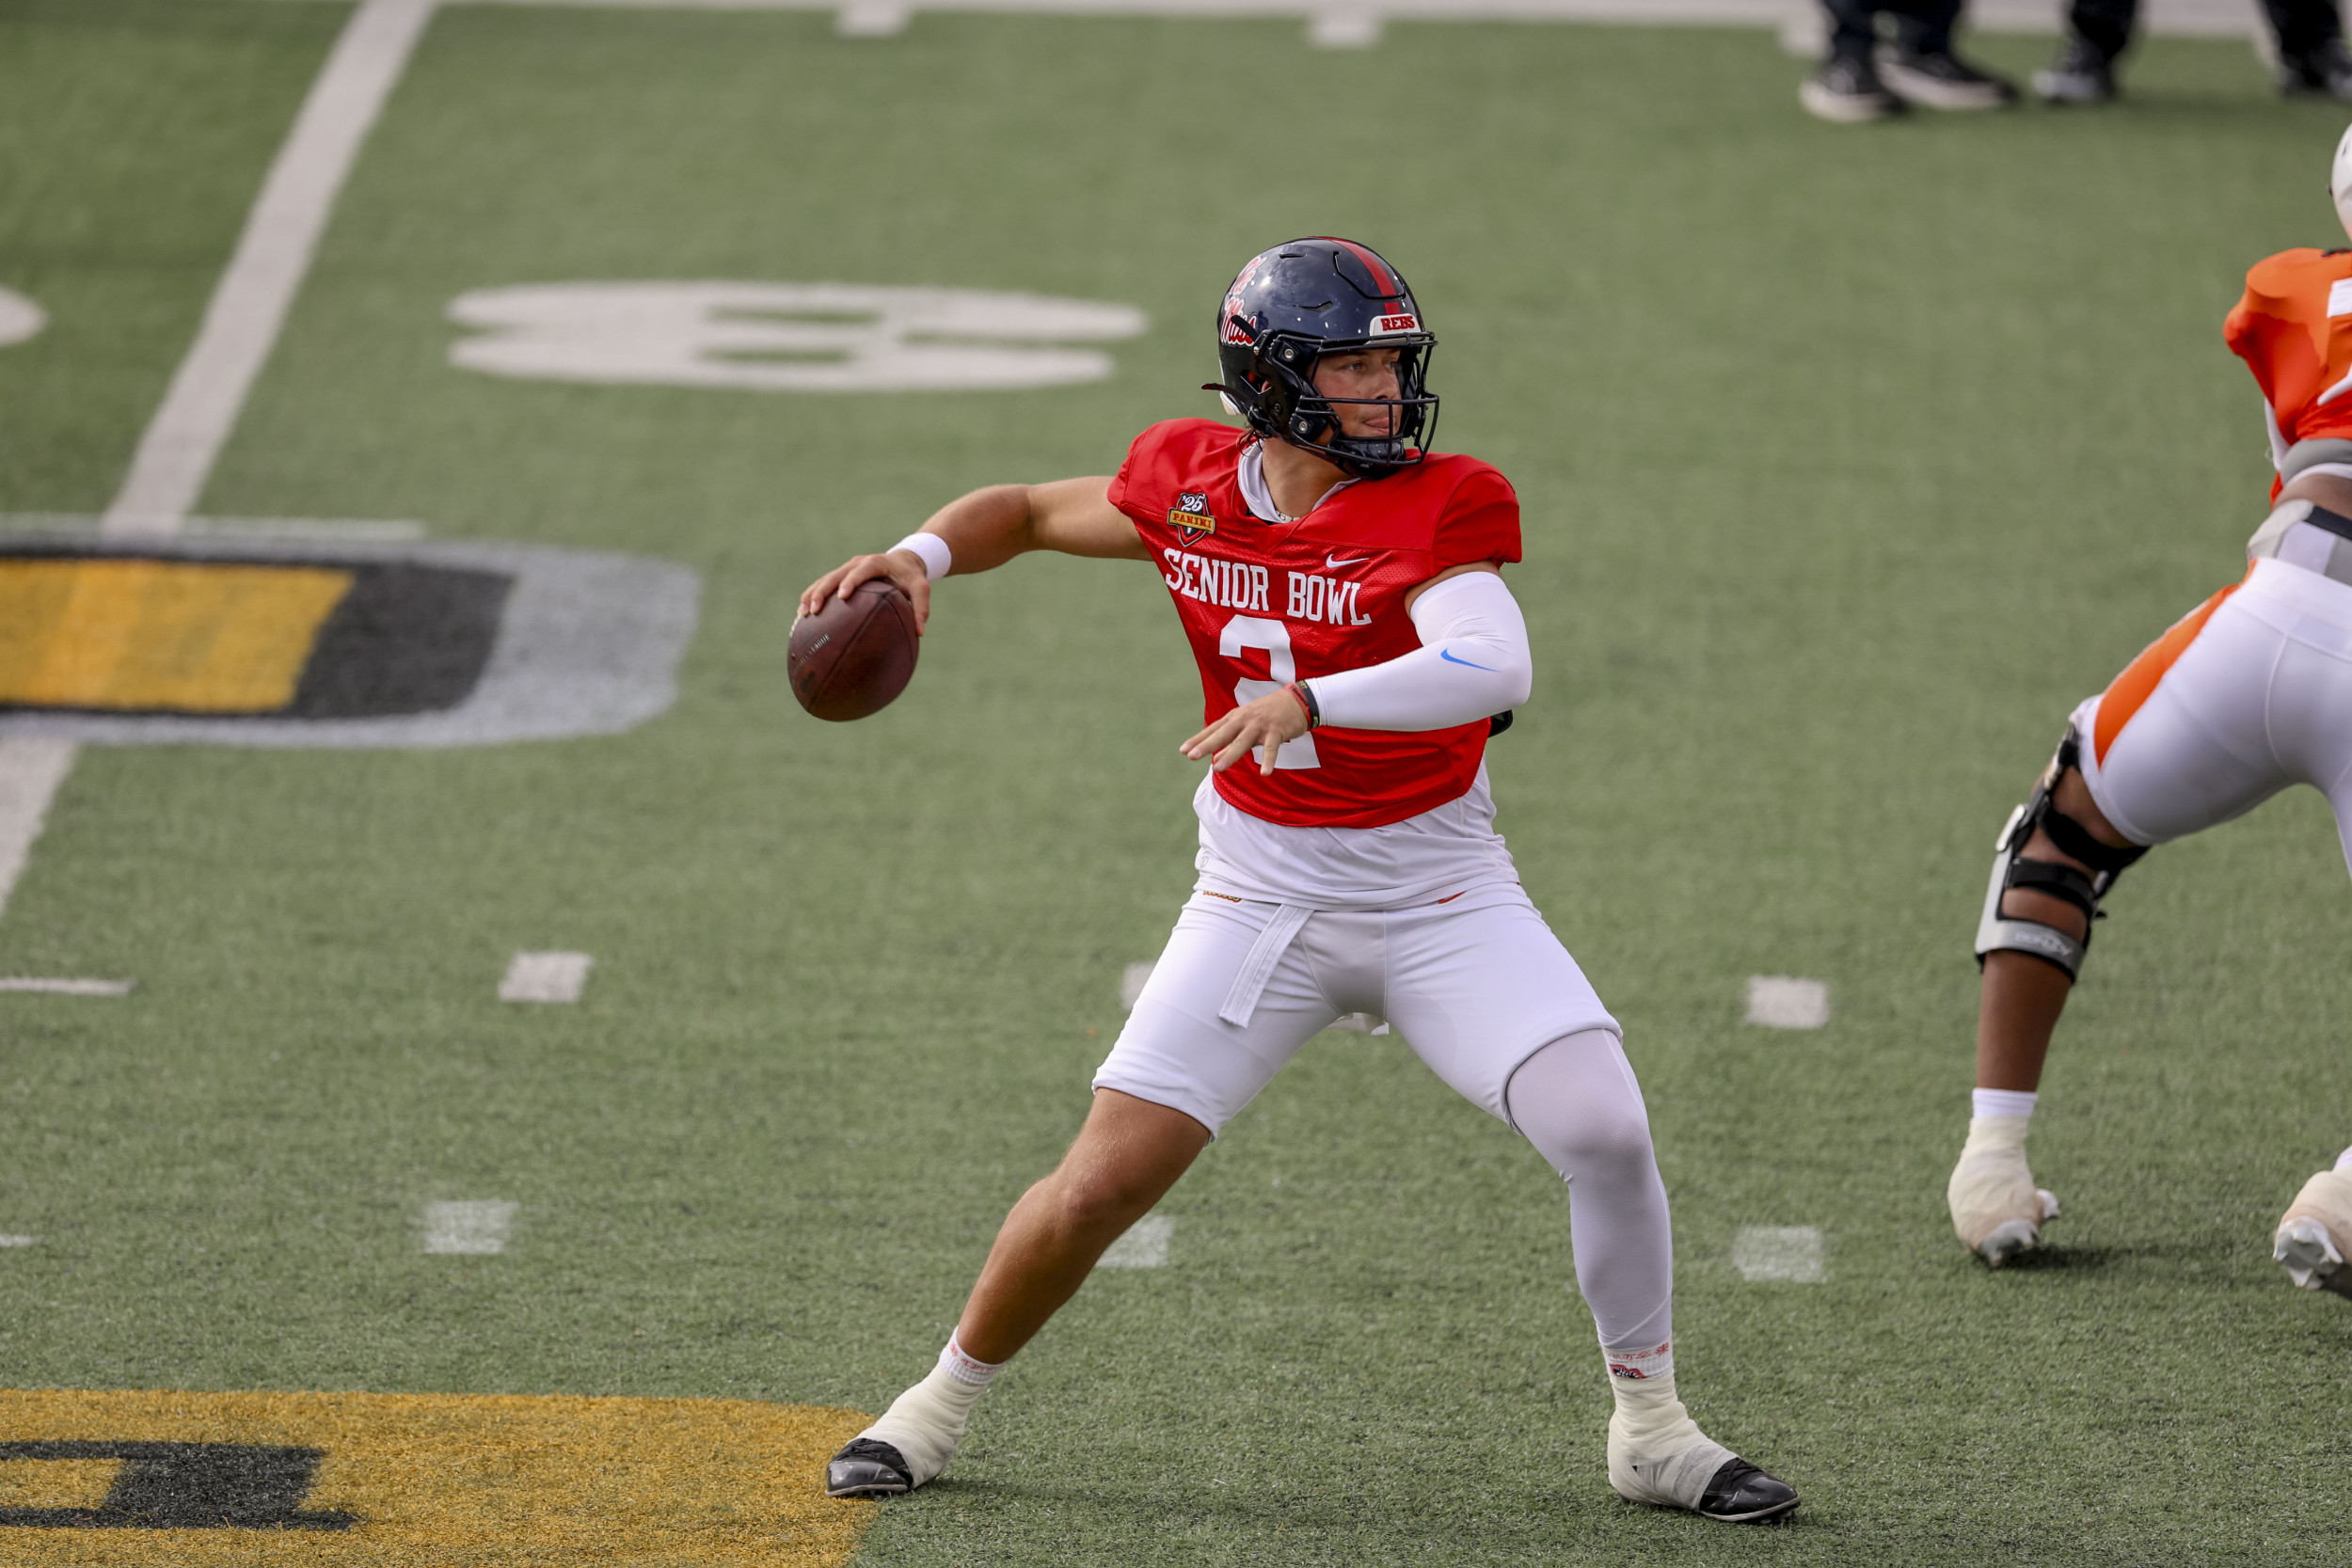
{"x":855,"y":657}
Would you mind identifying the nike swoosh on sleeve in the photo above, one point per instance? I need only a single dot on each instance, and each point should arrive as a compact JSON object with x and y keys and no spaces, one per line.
{"x":1447,"y":654}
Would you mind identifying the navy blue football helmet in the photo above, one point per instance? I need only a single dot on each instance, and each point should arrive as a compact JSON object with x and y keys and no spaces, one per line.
{"x":1294,"y":303}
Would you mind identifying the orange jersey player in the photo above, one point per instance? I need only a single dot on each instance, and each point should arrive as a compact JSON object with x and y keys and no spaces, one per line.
{"x":2294,"y":330}
{"x":2249,"y":694}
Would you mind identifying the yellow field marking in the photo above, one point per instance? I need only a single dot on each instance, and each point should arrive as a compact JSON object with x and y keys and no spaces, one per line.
{"x":454,"y":1481}
{"x":194,"y":637}
{"x":56,"y":1482}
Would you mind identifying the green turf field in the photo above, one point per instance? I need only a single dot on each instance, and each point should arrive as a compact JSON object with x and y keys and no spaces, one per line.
{"x":1851,"y":460}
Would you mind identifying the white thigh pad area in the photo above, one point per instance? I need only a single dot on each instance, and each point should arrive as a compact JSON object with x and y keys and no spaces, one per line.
{"x":1475,"y":983}
{"x":2261,"y":700}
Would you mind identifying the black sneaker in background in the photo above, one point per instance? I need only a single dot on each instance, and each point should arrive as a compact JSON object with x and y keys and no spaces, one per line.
{"x":2324,"y":72}
{"x":1846,"y":89}
{"x":1944,"y":81}
{"x":2080,"y":74}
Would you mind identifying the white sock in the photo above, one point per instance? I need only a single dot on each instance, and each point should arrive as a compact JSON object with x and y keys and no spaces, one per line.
{"x":965,"y":1369}
{"x":926,"y":1423}
{"x":2005,"y":1102}
{"x":1642,"y":1362}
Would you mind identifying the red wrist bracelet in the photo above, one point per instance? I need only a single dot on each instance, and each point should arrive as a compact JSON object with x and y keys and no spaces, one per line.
{"x":1306,"y":700}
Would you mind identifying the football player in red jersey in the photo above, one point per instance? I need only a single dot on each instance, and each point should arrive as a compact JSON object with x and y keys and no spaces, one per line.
{"x":2246,"y":694}
{"x":1341,"y":585}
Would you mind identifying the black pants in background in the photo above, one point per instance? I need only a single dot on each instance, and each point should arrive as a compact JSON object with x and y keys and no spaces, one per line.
{"x":1923,"y":25}
{"x":2301,"y":26}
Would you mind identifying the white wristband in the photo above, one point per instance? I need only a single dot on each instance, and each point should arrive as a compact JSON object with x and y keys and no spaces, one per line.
{"x":936,"y":556}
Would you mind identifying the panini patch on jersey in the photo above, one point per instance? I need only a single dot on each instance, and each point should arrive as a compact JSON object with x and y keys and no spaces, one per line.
{"x":1190,"y":516}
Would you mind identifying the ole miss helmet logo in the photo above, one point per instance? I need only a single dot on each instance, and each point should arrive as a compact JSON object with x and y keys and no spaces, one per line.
{"x":1404,"y":321}
{"x":1190,"y":516}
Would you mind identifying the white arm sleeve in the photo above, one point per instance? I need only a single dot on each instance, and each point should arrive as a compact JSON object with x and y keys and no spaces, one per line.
{"x":1473,"y":663}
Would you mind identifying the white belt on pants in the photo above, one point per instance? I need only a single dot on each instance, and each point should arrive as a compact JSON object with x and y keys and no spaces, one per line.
{"x":1258,"y":968}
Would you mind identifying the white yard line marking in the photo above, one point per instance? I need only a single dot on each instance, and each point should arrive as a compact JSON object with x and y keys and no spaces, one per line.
{"x":67,"y":988}
{"x":1782,"y":1001}
{"x":390,"y":530}
{"x":2167,"y":18}
{"x":1345,"y":27}
{"x":871,"y":19}
{"x":19,"y":318}
{"x":18,"y":1240}
{"x":1788,"y":1252}
{"x":1144,"y":1246}
{"x":480,"y":1227}
{"x":175,"y":456}
{"x":545,"y":978}
{"x":248,"y":306}
{"x":31,"y":768}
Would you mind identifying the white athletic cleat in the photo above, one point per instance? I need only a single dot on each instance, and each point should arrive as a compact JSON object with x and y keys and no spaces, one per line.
{"x":910,"y":1444}
{"x":1997,"y":1211}
{"x":2316,"y":1234}
{"x":1657,"y":1455}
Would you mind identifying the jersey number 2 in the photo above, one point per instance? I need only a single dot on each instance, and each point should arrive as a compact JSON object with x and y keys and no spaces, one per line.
{"x":1273,"y":637}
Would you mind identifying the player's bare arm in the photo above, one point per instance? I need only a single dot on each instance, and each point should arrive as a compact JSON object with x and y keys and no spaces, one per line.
{"x":985,"y":528}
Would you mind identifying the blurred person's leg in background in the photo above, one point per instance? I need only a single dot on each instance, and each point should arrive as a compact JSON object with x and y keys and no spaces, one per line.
{"x":2312,"y":56}
{"x":2309,"y":58}
{"x":1866,"y":78}
{"x":2097,"y":33}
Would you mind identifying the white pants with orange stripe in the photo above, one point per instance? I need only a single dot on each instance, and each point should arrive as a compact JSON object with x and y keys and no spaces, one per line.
{"x":2249,"y":694}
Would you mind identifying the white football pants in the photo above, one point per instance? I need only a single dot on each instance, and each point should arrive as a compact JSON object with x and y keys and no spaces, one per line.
{"x":1483,"y":992}
{"x":2249,"y":694}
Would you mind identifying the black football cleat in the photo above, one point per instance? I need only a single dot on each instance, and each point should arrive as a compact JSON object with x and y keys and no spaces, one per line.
{"x":865,"y":1469}
{"x":1744,"y":1493}
{"x":1943,"y":81}
{"x":2323,"y":73}
{"x":1847,"y":91}
{"x":2080,"y":74}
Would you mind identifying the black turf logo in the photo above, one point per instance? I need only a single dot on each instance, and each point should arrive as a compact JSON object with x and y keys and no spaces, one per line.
{"x":185,"y":1486}
{"x":395,"y":638}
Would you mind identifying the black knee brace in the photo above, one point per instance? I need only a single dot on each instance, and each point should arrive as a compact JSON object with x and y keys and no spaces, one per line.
{"x":1998,"y":933}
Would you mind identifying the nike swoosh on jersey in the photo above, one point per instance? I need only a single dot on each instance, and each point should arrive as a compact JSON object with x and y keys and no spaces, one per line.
{"x":1332,"y":563}
{"x":1447,"y":654}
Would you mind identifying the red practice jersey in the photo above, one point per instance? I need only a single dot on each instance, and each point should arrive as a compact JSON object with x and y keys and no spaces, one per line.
{"x":1269,"y":603}
{"x":2284,"y":328}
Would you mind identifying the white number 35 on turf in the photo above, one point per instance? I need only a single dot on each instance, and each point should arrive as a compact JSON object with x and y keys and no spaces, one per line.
{"x":786,"y":337}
